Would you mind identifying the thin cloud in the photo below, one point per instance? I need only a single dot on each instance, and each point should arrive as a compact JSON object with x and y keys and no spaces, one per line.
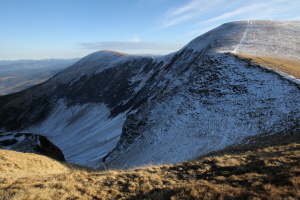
{"x":220,"y":11}
{"x":268,"y":10}
{"x":295,"y":18}
{"x":181,"y":10}
{"x":135,"y":39}
{"x":276,"y":10}
{"x":129,"y":45}
{"x":256,"y":8}
{"x":178,"y":20}
{"x":198,"y":31}
{"x":191,"y":10}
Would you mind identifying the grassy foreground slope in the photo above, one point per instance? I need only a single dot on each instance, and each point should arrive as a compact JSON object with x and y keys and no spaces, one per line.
{"x":266,"y":168}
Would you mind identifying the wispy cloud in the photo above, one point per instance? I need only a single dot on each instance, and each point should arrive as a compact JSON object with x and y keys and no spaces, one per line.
{"x":191,"y":10}
{"x":219,"y":11}
{"x":198,"y":31}
{"x":185,"y":8}
{"x":256,"y":8}
{"x":295,"y":18}
{"x":135,"y":39}
{"x":177,"y":20}
{"x":129,"y":45}
{"x":275,"y":10}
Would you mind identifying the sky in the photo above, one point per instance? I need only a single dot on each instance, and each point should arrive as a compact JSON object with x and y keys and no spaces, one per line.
{"x":47,"y":29}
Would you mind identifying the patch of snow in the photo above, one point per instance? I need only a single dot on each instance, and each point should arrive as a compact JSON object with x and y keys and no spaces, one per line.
{"x":221,"y":39}
{"x":271,"y":39}
{"x":84,"y":133}
{"x":242,"y":41}
{"x":286,"y":76}
{"x":10,"y":136}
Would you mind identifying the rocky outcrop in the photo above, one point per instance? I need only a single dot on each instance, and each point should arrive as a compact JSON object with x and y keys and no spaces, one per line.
{"x":31,"y":143}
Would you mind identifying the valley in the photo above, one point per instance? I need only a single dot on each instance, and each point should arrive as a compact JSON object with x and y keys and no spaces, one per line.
{"x":21,"y":74}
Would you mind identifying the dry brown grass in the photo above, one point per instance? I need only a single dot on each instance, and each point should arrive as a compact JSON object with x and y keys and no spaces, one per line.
{"x":17,"y":165}
{"x":119,"y":53}
{"x":270,"y":171}
{"x":279,"y":64}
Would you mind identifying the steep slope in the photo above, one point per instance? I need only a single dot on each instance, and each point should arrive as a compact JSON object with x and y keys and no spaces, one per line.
{"x":272,"y":44}
{"x":224,"y":101}
{"x":82,"y":106}
{"x":127,"y":111}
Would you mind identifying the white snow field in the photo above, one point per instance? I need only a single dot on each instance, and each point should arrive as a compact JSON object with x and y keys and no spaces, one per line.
{"x":271,"y":39}
{"x":260,"y":38}
{"x":84,"y":133}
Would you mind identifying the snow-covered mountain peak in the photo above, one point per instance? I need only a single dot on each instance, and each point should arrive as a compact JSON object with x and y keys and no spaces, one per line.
{"x":264,"y":38}
{"x":278,"y":39}
{"x":93,"y":63}
{"x":257,"y":38}
{"x":220,"y":39}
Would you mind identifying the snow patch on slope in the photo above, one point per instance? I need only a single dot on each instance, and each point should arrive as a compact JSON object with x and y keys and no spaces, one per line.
{"x":84,"y":133}
{"x":271,"y":39}
{"x":242,"y":41}
{"x":224,"y":38}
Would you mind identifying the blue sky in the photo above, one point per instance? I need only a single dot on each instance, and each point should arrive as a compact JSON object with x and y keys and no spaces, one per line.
{"x":38,"y":29}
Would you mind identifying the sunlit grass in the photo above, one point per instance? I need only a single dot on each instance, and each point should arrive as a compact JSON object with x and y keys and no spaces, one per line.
{"x":289,"y":67}
{"x":260,"y":170}
{"x":122,"y":54}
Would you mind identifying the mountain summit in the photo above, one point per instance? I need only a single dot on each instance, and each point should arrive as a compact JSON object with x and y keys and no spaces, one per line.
{"x":125,"y":111}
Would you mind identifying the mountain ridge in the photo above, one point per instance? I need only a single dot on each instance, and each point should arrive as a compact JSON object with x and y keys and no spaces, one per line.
{"x":130,"y":111}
